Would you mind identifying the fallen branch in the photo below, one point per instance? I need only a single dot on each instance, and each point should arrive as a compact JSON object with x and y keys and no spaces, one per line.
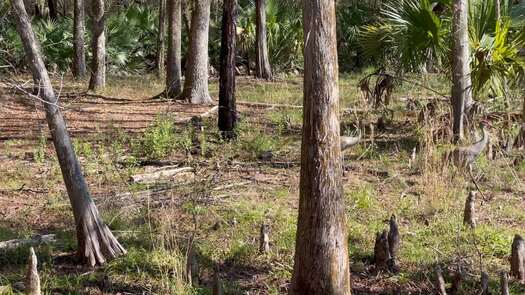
{"x":164,"y":173}
{"x":34,"y":241}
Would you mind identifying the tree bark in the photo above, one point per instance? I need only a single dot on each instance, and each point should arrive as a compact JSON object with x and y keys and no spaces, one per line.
{"x":79,"y":61}
{"x":462,"y":86}
{"x":161,"y":36}
{"x":321,"y":263}
{"x":173,"y":70}
{"x":263,"y":69}
{"x":519,"y":143}
{"x":52,"y":9}
{"x":227,"y":107}
{"x":196,"y":82}
{"x":98,"y":46}
{"x":96,"y":243}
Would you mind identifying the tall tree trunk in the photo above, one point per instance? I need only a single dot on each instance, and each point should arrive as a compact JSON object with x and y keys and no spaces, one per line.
{"x":196,"y":82}
{"x":161,"y":37}
{"x":263,"y":69}
{"x":96,"y":243}
{"x":53,"y":14}
{"x":173,"y":70}
{"x":227,"y":108}
{"x":79,"y":61}
{"x":462,"y":86}
{"x":98,"y":46}
{"x":321,"y":252}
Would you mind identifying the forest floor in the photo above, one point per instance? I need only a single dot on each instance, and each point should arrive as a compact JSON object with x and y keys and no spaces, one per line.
{"x":237,"y":186}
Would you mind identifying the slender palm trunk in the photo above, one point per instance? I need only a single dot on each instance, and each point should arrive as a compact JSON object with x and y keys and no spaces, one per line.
{"x":161,"y":36}
{"x":227,"y":107}
{"x":96,"y":243}
{"x":79,"y":61}
{"x":263,"y":69}
{"x":462,"y":86}
{"x":321,"y":252}
{"x":98,"y":46}
{"x":52,"y":9}
{"x":173,"y":70}
{"x":196,"y":82}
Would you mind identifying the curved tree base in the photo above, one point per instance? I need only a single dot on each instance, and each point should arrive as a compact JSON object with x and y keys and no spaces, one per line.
{"x":519,"y":143}
{"x":195,"y":97}
{"x":96,"y":243}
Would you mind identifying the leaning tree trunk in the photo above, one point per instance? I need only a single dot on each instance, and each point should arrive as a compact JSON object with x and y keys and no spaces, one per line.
{"x":462,"y":86}
{"x":98,"y":46}
{"x":196,"y":82}
{"x":227,"y":108}
{"x":263,"y":69}
{"x":79,"y":61}
{"x":173,"y":69}
{"x":96,"y":243}
{"x":161,"y":36}
{"x":321,"y":252}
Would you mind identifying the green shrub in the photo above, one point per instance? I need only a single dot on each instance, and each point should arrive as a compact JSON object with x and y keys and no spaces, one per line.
{"x":158,"y":140}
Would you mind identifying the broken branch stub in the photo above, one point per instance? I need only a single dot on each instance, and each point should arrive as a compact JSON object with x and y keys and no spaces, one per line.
{"x":504,"y":282}
{"x":440,"y":282}
{"x":264,"y":245}
{"x":32,"y":278}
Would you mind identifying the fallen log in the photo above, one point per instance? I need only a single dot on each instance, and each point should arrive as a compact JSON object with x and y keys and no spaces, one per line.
{"x":206,"y":114}
{"x":181,"y":173}
{"x":34,"y":241}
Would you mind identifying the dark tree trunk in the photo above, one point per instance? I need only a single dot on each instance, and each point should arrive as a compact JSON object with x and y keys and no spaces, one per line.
{"x":196,"y":82}
{"x":173,"y":70}
{"x":519,"y":143}
{"x":227,"y":108}
{"x":53,"y":14}
{"x":98,"y":46}
{"x":79,"y":61}
{"x":263,"y":69}
{"x":96,"y":243}
{"x":462,"y":86}
{"x":161,"y":36}
{"x":321,"y":262}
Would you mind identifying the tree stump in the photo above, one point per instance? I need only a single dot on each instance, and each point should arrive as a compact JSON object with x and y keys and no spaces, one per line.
{"x":381,"y":251}
{"x":517,"y":259}
{"x":32,"y":278}
{"x":393,"y":243}
{"x":469,"y":215}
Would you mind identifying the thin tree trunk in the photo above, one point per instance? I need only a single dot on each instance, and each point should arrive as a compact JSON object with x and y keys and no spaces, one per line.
{"x":263,"y":69}
{"x":196,"y":82}
{"x":498,"y":10}
{"x":227,"y":107}
{"x":173,"y":70}
{"x":161,"y":36}
{"x":462,"y":86}
{"x":79,"y":61}
{"x":321,"y":254}
{"x":98,"y":46}
{"x":96,"y":243}
{"x":519,"y":143}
